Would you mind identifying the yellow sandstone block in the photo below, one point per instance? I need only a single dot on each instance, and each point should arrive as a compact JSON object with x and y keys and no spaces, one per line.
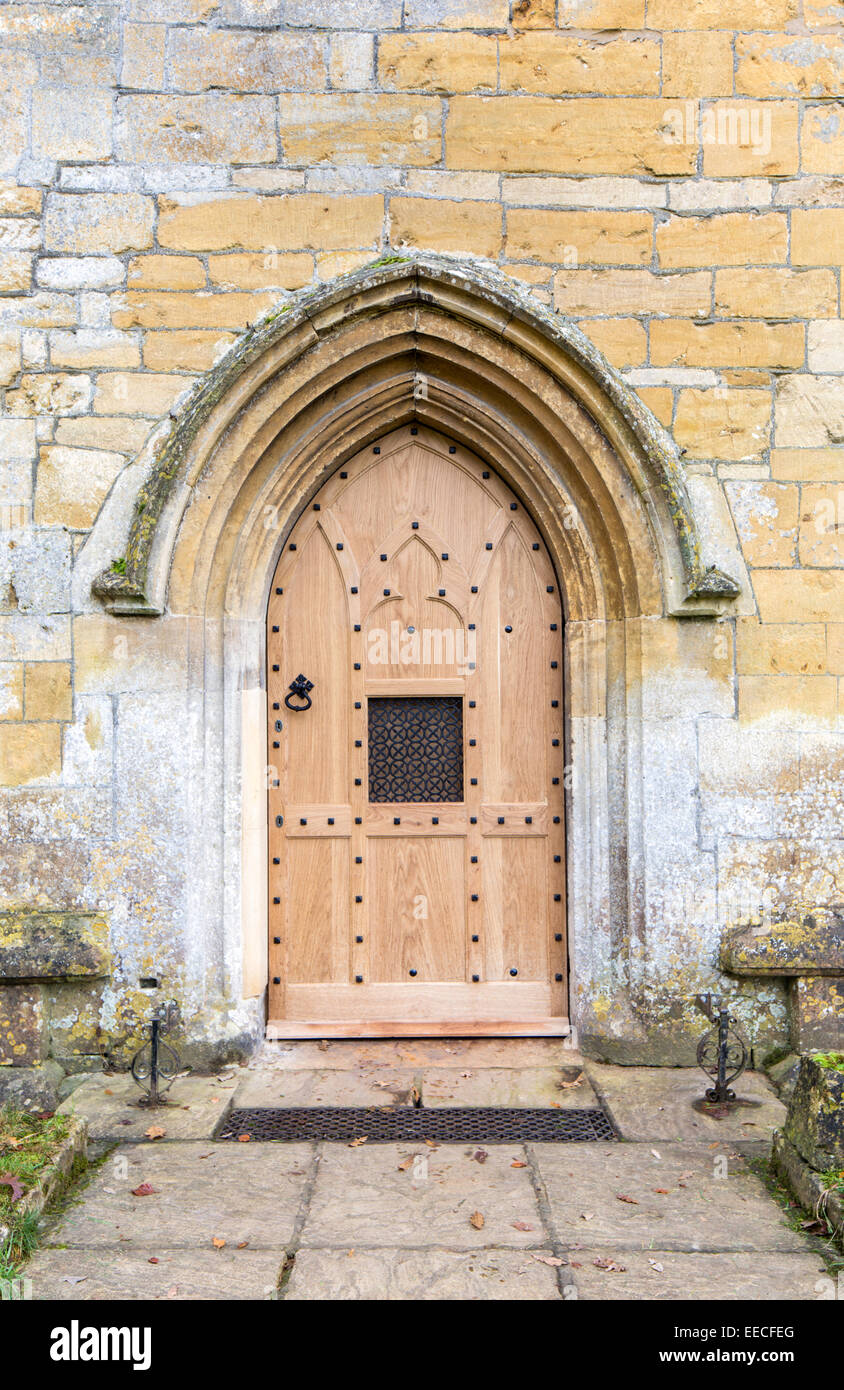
{"x":778,"y":293}
{"x":48,"y":690}
{"x":555,"y":64}
{"x":438,"y":62}
{"x":765,"y":649}
{"x":310,"y":221}
{"x":155,"y":272}
{"x":446,"y":226}
{"x":731,"y":238}
{"x":579,"y":237}
{"x":29,"y":753}
{"x":746,"y":343}
{"x":722,"y":422}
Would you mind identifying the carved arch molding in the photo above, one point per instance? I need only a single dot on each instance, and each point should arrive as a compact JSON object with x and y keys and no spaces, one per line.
{"x":212,"y":498}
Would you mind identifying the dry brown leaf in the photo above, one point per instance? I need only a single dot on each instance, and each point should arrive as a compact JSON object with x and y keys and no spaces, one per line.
{"x":217,"y":1242}
{"x":244,"y":1138}
{"x":153,"y":1260}
{"x":406,"y":1163}
{"x":521,"y":1226}
{"x":632,"y":1200}
{"x":663,"y":1191}
{"x":517,"y":1163}
{"x":549,"y":1260}
{"x":602,"y":1263}
{"x":242,"y":1244}
{"x":146,"y":1189}
{"x":353,"y":1143}
{"x":155,"y":1132}
{"x":477,"y":1220}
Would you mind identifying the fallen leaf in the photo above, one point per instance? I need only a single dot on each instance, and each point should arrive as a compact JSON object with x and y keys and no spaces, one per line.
{"x":586,"y":1215}
{"x":74,"y":1278}
{"x":155,"y":1132}
{"x":406,"y":1163}
{"x":632,"y":1200}
{"x":9,"y":1180}
{"x":521,"y":1226}
{"x":44,"y":1114}
{"x":146,"y":1189}
{"x":517,"y":1163}
{"x":432,"y":1144}
{"x":663,"y":1191}
{"x":107,"y":1092}
{"x":153,"y":1260}
{"x":656,"y":1266}
{"x":655,"y":1154}
{"x":323,"y":1045}
{"x":242,"y":1244}
{"x":575,"y":1264}
{"x":602,"y":1263}
{"x":477,"y":1220}
{"x":353,"y":1143}
{"x":244,"y":1138}
{"x":217,"y":1242}
{"x":480,"y":1155}
{"x":549,"y":1260}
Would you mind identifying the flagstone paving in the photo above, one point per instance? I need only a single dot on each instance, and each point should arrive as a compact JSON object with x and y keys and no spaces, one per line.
{"x":184,"y":1217}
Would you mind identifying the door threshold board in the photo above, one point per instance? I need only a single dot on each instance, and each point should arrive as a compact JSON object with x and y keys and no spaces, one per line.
{"x":537,"y":1028}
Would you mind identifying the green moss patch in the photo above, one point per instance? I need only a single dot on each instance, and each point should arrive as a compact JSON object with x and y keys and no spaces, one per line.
{"x":29,"y":1145}
{"x":830,"y":1061}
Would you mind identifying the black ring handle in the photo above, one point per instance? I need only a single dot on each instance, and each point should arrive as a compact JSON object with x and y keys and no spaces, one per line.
{"x":299,"y":689}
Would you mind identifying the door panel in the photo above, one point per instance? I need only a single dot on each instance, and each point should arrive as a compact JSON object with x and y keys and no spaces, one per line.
{"x":416,"y":846}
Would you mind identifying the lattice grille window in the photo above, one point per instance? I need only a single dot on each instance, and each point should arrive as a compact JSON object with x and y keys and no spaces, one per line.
{"x":416,"y":748}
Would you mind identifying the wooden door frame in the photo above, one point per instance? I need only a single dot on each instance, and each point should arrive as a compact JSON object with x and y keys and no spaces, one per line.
{"x":556,"y":1026}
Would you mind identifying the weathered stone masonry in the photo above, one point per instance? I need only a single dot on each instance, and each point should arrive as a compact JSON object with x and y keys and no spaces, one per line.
{"x":666,"y":177}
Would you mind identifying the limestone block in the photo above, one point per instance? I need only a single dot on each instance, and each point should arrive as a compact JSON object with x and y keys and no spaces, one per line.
{"x":446,"y":226}
{"x":137,"y":393}
{"x":817,"y":236}
{"x":48,"y":690}
{"x":770,"y":65}
{"x":765,"y":649}
{"x":192,"y":350}
{"x":220,"y":128}
{"x":88,"y":742}
{"x":438,"y":62}
{"x":686,"y":667}
{"x":677,"y":342}
{"x":71,"y":123}
{"x":113,"y":655}
{"x":156,"y":272}
{"x":816,"y":1012}
{"x":80,"y":273}
{"x":257,"y":271}
{"x":555,"y":63}
{"x":360,"y":128}
{"x":601,"y":136}
{"x":750,"y":139}
{"x":143,"y":56}
{"x":697,"y":64}
{"x":826,"y":346}
{"x":94,"y":347}
{"x":83,"y":223}
{"x":202,"y":60}
{"x":766,"y":517}
{"x":72,"y":484}
{"x":453,"y":14}
{"x":29,"y":753}
{"x":50,"y":393}
{"x":307,"y":222}
{"x":151,"y":309}
{"x":632,"y":292}
{"x":821,"y":525}
{"x":815,"y":1121}
{"x":778,"y":293}
{"x":36,"y":565}
{"x":806,"y":596}
{"x":351,"y":61}
{"x":725,"y":423}
{"x":822,"y":138}
{"x":11,"y":690}
{"x":579,"y":238}
{"x":52,"y":945}
{"x":15,"y":272}
{"x":25,"y":637}
{"x":730,"y":238}
{"x":791,"y":701}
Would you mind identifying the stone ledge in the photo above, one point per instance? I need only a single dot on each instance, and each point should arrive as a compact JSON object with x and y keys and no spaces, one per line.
{"x":807,"y":1185}
{"x":807,"y":943}
{"x":52,"y":945}
{"x":74,"y":1146}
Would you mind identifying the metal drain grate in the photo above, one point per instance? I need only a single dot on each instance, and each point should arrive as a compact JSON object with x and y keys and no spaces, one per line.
{"x":473,"y":1126}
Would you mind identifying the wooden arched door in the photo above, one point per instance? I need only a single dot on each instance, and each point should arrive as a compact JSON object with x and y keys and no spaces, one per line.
{"x":417,"y":863}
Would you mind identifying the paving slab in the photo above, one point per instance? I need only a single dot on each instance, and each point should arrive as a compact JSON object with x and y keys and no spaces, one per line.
{"x":110,"y":1106}
{"x":679,"y":1197}
{"x":423,"y":1275}
{"x":184,"y":1275}
{"x":528,"y":1087}
{"x":365,"y":1085}
{"x":416,"y":1052}
{"x":236,"y":1192}
{"x":363,"y":1197}
{"x":658,"y":1103}
{"x":665,"y":1274}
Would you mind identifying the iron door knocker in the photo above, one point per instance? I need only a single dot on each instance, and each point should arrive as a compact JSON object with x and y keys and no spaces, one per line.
{"x":299,"y":688}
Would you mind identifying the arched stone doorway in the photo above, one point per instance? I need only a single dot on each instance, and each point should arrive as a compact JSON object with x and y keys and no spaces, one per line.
{"x":212,"y":501}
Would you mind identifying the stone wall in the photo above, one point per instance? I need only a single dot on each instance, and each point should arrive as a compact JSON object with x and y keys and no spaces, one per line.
{"x":667,"y":176}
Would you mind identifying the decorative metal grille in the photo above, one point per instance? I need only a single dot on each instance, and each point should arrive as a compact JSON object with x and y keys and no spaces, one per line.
{"x":473,"y":1125}
{"x":416,"y":748}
